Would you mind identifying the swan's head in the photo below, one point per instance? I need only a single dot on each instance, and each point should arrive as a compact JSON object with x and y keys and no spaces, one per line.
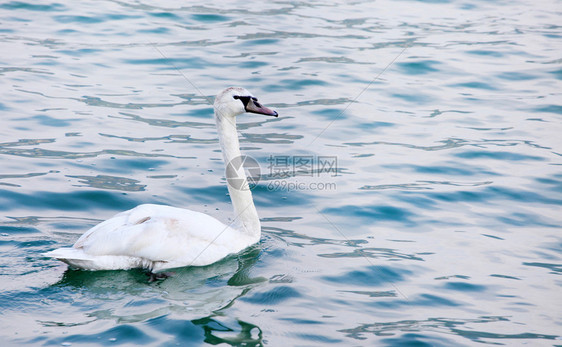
{"x":234,"y":101}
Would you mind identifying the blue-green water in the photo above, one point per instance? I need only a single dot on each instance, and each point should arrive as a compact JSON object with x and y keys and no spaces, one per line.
{"x":440,"y":224}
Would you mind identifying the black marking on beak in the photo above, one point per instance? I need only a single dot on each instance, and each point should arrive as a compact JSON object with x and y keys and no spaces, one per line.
{"x":252,"y":105}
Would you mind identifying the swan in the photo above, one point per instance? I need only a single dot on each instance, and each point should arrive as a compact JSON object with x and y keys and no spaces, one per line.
{"x":159,"y":237}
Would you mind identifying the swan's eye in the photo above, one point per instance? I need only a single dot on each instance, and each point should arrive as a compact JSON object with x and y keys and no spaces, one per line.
{"x":244,"y":99}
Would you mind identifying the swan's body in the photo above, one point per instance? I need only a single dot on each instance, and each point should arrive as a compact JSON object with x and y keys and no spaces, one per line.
{"x":156,"y":237}
{"x":159,"y":237}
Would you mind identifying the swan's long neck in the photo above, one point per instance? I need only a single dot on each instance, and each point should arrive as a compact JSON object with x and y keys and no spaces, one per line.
{"x":242,"y":201}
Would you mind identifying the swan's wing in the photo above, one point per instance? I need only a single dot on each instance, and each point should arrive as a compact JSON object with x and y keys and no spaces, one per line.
{"x":160,"y":234}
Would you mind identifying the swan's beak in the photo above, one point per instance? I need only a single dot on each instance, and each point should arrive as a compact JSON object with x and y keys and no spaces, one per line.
{"x":253,"y":106}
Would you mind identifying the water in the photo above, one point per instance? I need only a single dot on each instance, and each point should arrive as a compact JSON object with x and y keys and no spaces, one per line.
{"x":430,"y":215}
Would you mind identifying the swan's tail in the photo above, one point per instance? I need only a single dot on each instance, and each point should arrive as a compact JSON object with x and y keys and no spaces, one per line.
{"x":74,"y":257}
{"x":77,"y":258}
{"x":67,"y":253}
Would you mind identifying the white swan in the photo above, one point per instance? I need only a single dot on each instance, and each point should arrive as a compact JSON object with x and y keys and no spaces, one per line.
{"x":158,"y":237}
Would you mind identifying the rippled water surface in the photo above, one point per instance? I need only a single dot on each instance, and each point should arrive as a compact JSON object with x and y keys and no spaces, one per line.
{"x":430,"y":215}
